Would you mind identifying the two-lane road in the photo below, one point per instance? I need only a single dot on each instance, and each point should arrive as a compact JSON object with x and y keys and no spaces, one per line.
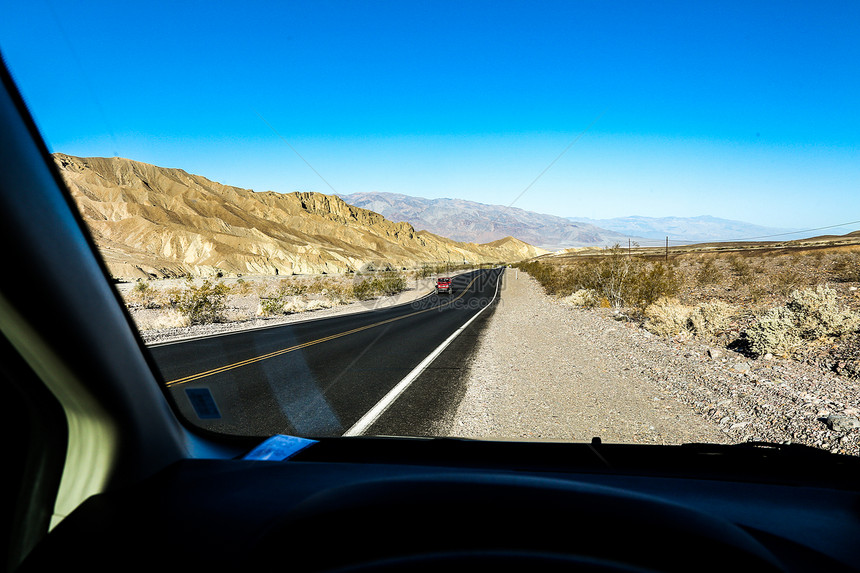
{"x":318,"y":377}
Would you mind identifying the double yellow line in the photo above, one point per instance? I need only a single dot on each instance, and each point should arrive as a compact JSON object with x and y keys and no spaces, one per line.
{"x":262,"y":357}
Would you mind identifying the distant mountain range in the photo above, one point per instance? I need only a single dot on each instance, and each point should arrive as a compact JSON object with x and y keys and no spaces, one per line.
{"x":684,"y":229}
{"x":477,"y":222}
{"x":473,"y":222}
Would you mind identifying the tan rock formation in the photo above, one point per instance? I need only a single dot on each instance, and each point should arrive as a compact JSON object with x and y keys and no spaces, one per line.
{"x":151,"y":221}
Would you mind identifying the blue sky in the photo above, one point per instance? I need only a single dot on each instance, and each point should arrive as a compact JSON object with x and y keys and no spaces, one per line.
{"x":742,"y":110}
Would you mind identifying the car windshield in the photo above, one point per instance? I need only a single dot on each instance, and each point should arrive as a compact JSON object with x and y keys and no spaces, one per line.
{"x":648,"y":213}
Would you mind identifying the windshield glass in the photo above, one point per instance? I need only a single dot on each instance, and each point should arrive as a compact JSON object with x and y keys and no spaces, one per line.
{"x":553,"y":221}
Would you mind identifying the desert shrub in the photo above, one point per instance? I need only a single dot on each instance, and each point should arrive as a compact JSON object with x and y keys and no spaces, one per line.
{"x":846,"y":267}
{"x":667,"y":317}
{"x":745,"y":273}
{"x":739,"y":265}
{"x":817,"y":258}
{"x":610,"y":275}
{"x":817,"y":313}
{"x":172,"y":296}
{"x":710,"y":317}
{"x":773,"y":333}
{"x":332,"y":290}
{"x":144,"y":294}
{"x":627,"y":281}
{"x":583,"y":297}
{"x":289,"y":287}
{"x":615,"y":277}
{"x":785,"y":280}
{"x":808,"y":315}
{"x":167,"y":318}
{"x":286,"y":301}
{"x":205,"y":303}
{"x":387,"y":284}
{"x":294,"y":305}
{"x":317,"y":304}
{"x":650,"y":282}
{"x":550,"y":277}
{"x":363,"y":290}
{"x":429,"y":270}
{"x":317,"y":286}
{"x":709,"y":273}
{"x":272,"y":306}
{"x":291,"y":305}
{"x":338,"y":293}
{"x":243,"y":287}
{"x":757,"y":292}
{"x":390,"y":284}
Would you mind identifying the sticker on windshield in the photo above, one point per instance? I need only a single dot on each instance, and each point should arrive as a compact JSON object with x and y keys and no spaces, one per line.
{"x":203,"y":403}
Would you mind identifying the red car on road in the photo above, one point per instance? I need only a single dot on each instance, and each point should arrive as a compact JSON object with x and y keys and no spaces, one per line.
{"x":443,"y":285}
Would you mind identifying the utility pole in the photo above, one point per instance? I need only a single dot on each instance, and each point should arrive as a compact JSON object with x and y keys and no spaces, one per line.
{"x":667,"y":249}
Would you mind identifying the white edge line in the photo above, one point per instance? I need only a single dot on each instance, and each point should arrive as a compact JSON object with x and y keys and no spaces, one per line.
{"x":374,"y":413}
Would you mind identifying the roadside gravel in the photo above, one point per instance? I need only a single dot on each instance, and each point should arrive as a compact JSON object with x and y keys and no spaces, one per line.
{"x":544,"y":370}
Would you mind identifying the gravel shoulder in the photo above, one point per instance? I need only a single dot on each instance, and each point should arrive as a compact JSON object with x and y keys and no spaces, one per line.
{"x":544,"y":370}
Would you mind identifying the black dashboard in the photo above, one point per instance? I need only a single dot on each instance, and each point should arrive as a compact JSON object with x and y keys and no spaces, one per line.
{"x":413,"y":504}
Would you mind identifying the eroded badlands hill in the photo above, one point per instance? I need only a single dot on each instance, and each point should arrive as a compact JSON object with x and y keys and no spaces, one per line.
{"x":155,"y":221}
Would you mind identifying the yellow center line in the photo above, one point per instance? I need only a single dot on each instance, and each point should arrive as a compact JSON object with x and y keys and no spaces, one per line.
{"x":255,"y":359}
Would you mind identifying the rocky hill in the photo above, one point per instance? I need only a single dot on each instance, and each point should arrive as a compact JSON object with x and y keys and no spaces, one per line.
{"x":151,"y":221}
{"x":470,"y":221}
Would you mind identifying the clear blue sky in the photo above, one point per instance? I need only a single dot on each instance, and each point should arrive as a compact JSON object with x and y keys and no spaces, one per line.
{"x":743,"y":110}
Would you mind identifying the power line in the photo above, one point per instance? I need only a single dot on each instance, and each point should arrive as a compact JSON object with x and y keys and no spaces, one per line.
{"x":794,"y":232}
{"x":282,"y":138}
{"x":84,"y":78}
{"x":551,"y":163}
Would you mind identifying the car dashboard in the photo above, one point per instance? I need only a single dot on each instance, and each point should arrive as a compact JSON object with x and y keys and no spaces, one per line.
{"x":372,"y":504}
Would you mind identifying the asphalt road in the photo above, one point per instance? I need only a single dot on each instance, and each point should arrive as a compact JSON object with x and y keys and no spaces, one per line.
{"x":320,"y":377}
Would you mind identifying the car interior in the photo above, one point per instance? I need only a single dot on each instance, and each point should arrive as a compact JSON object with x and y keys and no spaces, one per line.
{"x":106,"y":476}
